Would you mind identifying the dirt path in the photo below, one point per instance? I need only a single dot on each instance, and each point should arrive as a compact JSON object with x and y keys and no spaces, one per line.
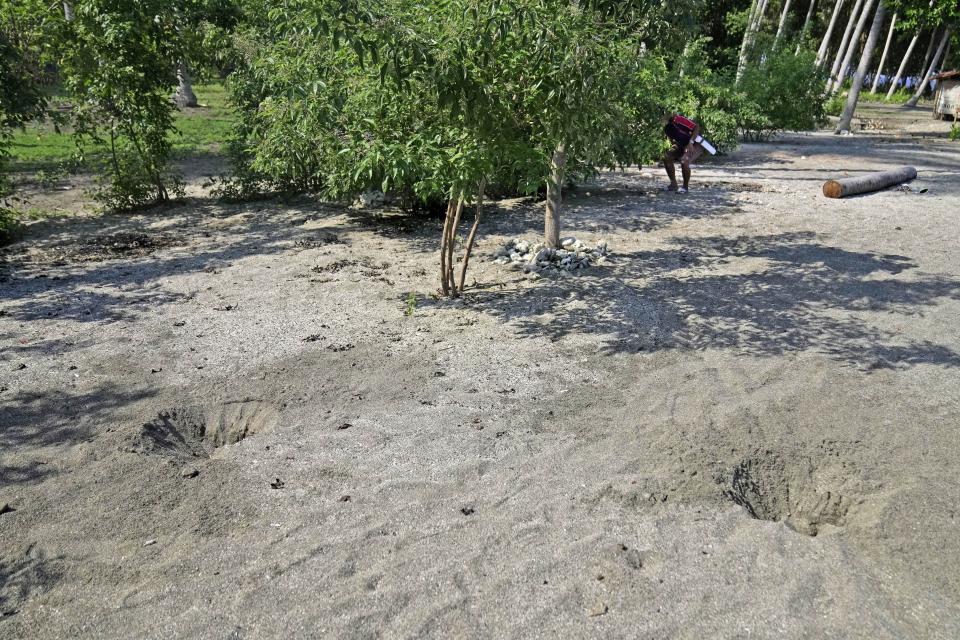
{"x":219,"y":422}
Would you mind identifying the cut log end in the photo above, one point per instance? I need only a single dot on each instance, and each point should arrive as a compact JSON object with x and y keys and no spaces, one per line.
{"x":832,"y":189}
{"x":869,"y":182}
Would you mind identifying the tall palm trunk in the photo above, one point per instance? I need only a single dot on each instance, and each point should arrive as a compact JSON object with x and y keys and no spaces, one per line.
{"x":551,"y":219}
{"x":875,"y":28}
{"x":753,"y":26}
{"x":806,"y":27}
{"x":854,"y":46}
{"x":912,"y":102}
{"x":903,"y":64}
{"x":742,"y":58}
{"x":782,"y":23}
{"x":825,"y":43}
{"x":930,"y":46}
{"x":838,"y":59}
{"x":883,"y":56}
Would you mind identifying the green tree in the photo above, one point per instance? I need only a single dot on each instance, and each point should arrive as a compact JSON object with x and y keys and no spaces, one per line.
{"x":21,"y":98}
{"x":118,"y":61}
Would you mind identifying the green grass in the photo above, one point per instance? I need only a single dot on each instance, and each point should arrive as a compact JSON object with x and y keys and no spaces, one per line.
{"x":41,"y":148}
{"x":899,"y":97}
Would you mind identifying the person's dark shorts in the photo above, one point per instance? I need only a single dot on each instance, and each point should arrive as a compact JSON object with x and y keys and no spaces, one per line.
{"x":688,"y":154}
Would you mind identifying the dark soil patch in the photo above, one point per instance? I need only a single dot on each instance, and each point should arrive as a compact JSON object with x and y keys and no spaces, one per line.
{"x":106,"y":247}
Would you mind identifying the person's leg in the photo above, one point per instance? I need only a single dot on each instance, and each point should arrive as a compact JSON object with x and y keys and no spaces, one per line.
{"x":669,"y":158}
{"x":671,"y":171}
{"x":690,"y":154}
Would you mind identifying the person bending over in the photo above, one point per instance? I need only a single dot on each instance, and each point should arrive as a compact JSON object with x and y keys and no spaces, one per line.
{"x":682,"y":133}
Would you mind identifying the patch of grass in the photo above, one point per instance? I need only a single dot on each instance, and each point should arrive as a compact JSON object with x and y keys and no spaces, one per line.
{"x":898,"y":97}
{"x":39,"y":147}
{"x":205,"y":128}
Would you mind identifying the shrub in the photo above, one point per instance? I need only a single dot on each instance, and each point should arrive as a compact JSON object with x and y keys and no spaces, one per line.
{"x":787,"y":90}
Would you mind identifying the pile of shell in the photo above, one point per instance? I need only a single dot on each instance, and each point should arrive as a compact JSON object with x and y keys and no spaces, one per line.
{"x":534,"y":258}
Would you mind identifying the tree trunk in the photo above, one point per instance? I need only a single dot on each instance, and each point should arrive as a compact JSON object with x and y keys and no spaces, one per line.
{"x":783,"y":22}
{"x":854,"y":45}
{"x":67,"y":11}
{"x":903,"y":65}
{"x":912,"y":102}
{"x":862,"y":68}
{"x":452,"y":244}
{"x":883,"y":56}
{"x":870,"y":182}
{"x":753,"y":26}
{"x":843,"y":44}
{"x":551,"y":221}
{"x":806,"y":27}
{"x":184,"y":97}
{"x":742,"y":58}
{"x":473,"y":234}
{"x":447,"y":221}
{"x":930,"y":45}
{"x":825,"y":43}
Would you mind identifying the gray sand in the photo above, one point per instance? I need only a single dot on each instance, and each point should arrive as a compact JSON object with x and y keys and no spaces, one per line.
{"x":745,"y":425}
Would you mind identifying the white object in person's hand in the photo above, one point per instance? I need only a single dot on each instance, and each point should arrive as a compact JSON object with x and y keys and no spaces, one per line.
{"x":706,"y":145}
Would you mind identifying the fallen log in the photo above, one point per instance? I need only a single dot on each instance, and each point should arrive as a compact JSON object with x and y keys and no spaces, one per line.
{"x":870,"y":182}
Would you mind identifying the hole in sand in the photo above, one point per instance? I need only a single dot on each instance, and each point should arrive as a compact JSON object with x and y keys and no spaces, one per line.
{"x":772,"y":488}
{"x":197,"y":431}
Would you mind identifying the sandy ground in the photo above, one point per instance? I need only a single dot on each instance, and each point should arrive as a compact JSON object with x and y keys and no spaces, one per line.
{"x":219,"y":422}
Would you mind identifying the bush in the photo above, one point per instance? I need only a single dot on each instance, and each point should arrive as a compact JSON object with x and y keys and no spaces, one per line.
{"x":118,"y":64}
{"x":834,"y":106}
{"x":787,"y":91}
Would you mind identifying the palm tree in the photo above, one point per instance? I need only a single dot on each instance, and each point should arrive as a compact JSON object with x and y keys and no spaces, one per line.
{"x":903,"y":64}
{"x":854,"y":46}
{"x":854,"y":95}
{"x":883,"y":57}
{"x":912,"y":102}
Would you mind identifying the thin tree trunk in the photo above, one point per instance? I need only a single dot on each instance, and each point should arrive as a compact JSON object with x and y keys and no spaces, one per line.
{"x":67,"y":11}
{"x":783,"y":22}
{"x":749,"y":36}
{"x":742,"y":59}
{"x":930,"y":45}
{"x":883,"y":57}
{"x":447,"y":219}
{"x":862,"y":68}
{"x":806,"y":27}
{"x":854,"y":45}
{"x":473,"y":234}
{"x":551,"y":220}
{"x":452,"y":244}
{"x":825,"y":43}
{"x":903,"y":65}
{"x":912,"y":102}
{"x":843,"y":43}
{"x":184,"y":97}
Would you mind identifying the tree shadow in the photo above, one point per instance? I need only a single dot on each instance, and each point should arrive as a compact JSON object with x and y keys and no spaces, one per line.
{"x":24,"y":578}
{"x":56,"y":418}
{"x":48,"y":276}
{"x":759,"y":296}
